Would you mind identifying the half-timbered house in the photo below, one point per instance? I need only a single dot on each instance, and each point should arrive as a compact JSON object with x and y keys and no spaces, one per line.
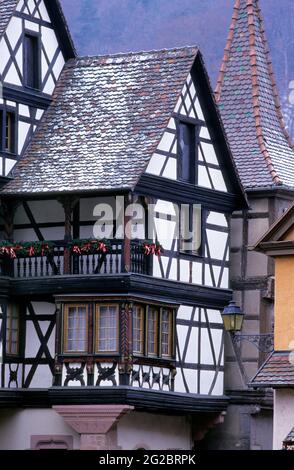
{"x":111,"y":329}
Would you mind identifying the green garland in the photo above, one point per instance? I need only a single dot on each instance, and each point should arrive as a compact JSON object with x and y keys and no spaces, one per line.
{"x":89,"y":245}
{"x":21,"y":249}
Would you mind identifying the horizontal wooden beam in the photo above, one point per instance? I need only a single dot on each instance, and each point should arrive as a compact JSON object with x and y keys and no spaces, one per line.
{"x":141,"y":399}
{"x":27,"y":97}
{"x":122,"y":285}
{"x":185,"y":193}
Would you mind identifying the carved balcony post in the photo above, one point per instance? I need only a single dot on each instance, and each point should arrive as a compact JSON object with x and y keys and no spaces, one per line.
{"x":126,"y":363}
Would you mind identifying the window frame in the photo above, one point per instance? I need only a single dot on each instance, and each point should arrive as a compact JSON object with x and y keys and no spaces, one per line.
{"x":141,"y":332}
{"x":195,"y":127}
{"x":193,"y":253}
{"x":37,"y":73}
{"x":8,"y":341}
{"x":158,"y":339}
{"x":65,"y":312}
{"x":170,"y":343}
{"x":156,"y":331}
{"x":97,"y":306}
{"x":4,"y":111}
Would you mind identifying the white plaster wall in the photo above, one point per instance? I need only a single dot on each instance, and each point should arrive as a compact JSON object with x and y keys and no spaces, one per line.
{"x":153,"y":432}
{"x":17,"y":427}
{"x":283,"y":416}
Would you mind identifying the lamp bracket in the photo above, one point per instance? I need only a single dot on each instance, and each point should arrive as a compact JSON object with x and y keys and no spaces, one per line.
{"x":264,"y":343}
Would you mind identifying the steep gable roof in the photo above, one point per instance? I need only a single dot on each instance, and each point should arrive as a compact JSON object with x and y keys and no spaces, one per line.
{"x":106,"y":120}
{"x":249,"y":103}
{"x":7,"y":8}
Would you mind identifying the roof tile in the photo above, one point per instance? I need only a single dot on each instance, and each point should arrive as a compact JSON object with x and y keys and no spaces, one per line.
{"x":277,"y":370}
{"x":247,"y":93}
{"x":106,"y":119}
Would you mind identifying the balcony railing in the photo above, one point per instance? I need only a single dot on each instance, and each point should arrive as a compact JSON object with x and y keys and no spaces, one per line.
{"x":61,"y":261}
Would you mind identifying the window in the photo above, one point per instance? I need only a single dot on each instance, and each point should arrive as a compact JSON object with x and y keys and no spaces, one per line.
{"x":12,"y":330}
{"x":138,"y":329}
{"x":166,"y":332}
{"x":31,"y":61}
{"x":186,"y":152}
{"x":106,"y":328}
{"x":76,"y":328}
{"x":153,"y":331}
{"x":92,"y":328}
{"x":190,"y":241}
{"x":8,"y":128}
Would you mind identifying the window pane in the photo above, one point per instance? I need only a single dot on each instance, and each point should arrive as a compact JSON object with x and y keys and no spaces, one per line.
{"x":12,"y":330}
{"x":107,"y":326}
{"x":138,"y":319}
{"x":76,"y":329}
{"x":9,"y":135}
{"x":152,"y":334}
{"x":166,"y":332}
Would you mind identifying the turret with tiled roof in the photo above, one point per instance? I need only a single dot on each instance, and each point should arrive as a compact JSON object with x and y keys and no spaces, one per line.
{"x":249,"y":103}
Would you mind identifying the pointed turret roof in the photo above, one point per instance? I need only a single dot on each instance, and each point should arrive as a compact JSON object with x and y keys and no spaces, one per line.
{"x":248,"y":99}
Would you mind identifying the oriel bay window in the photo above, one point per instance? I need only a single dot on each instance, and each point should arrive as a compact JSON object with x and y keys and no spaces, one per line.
{"x":94,"y":328}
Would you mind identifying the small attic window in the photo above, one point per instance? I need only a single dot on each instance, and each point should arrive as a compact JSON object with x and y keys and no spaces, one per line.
{"x":186,"y":152}
{"x":31,"y":60}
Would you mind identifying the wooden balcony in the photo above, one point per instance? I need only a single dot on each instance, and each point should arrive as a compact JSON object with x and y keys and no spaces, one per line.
{"x":61,"y":261}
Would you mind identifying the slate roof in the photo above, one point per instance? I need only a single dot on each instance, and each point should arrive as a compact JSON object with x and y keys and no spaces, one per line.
{"x":290,"y":437}
{"x":249,"y":103}
{"x":107,"y":118}
{"x":277,"y":371}
{"x":7,"y":8}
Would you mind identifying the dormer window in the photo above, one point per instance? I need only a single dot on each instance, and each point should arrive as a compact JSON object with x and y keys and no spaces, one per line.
{"x":31,"y":61}
{"x":8,"y":128}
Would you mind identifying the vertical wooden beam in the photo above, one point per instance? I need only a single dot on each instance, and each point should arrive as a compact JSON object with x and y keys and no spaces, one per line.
{"x":68,"y":203}
{"x":8,"y":209}
{"x":127,"y":236}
